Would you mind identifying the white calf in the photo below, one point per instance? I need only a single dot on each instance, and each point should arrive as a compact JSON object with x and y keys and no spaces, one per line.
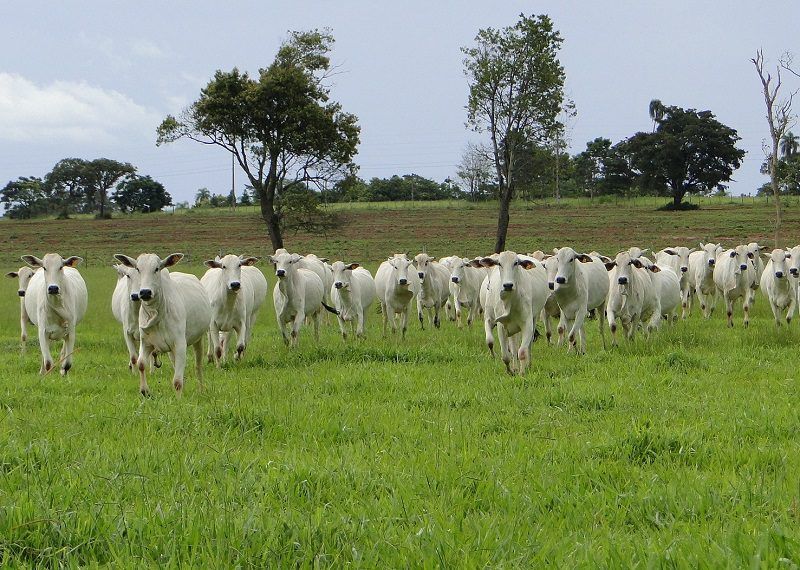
{"x":667,"y":286}
{"x":434,"y":287}
{"x":23,"y":277}
{"x":465,"y":285}
{"x":631,"y":296}
{"x":580,"y":284}
{"x":701,"y":275}
{"x":732,"y":276}
{"x":174,"y":314}
{"x":776,"y":285}
{"x":297,"y":294}
{"x":395,"y":289}
{"x":236,"y":291}
{"x":56,"y":301}
{"x":677,"y":259}
{"x":516,"y":294}
{"x":352,"y":294}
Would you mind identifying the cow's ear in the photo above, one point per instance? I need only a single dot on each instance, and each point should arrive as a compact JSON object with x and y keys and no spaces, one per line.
{"x":654,"y":268}
{"x":32,"y":260}
{"x":12,"y":274}
{"x":636,"y":263}
{"x":171,"y":260}
{"x":693,"y":250}
{"x":352,"y":266}
{"x":488,"y":262}
{"x":670,"y":252}
{"x":125,"y":260}
{"x":475,"y":263}
{"x":527,"y":264}
{"x":555,"y":251}
{"x":583,"y":258}
{"x":610,"y":265}
{"x":212,"y":263}
{"x":248,"y":260}
{"x":272,"y":259}
{"x":72,"y":261}
{"x":324,"y":259}
{"x":296,"y":257}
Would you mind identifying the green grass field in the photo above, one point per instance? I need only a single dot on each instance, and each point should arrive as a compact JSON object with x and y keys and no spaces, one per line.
{"x":681,"y":450}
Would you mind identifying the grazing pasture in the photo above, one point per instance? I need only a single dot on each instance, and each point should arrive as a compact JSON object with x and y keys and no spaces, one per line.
{"x":682,"y":449}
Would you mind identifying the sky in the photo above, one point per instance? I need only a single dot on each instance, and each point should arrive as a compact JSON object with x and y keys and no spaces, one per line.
{"x":94,"y":78}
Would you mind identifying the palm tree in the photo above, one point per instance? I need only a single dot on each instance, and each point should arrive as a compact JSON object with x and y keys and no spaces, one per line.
{"x":789,"y":144}
{"x":657,"y":112}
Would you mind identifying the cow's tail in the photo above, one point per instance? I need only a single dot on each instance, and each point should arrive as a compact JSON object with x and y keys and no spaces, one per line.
{"x":330,"y":309}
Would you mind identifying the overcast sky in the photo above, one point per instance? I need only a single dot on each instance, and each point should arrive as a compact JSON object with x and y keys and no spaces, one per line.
{"x":94,"y":78}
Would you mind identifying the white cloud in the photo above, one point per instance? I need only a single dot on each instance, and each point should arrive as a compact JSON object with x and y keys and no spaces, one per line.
{"x":146,"y":48}
{"x":67,"y":111}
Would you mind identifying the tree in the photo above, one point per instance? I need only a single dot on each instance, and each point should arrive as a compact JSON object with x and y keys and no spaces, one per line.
{"x":202,"y":198}
{"x":66,"y":184}
{"x":100,"y":175}
{"x":789,"y":144}
{"x":141,"y":194}
{"x":475,"y":170}
{"x":281,"y":127}
{"x":690,"y":151}
{"x":779,"y":119}
{"x":516,"y":91}
{"x":657,"y":111}
{"x":24,"y":198}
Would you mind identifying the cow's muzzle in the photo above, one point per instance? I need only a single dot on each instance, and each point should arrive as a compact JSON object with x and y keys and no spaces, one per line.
{"x":21,"y":293}
{"x":561,"y":280}
{"x":454,"y":279}
{"x":235,"y":285}
{"x":53,"y":289}
{"x":622,"y":280}
{"x":280,"y":273}
{"x":338,"y":284}
{"x":134,"y":297}
{"x":508,"y":286}
{"x":145,"y":294}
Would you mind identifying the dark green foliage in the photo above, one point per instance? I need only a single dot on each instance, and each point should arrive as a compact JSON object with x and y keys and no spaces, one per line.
{"x":24,"y":198}
{"x":141,"y":194}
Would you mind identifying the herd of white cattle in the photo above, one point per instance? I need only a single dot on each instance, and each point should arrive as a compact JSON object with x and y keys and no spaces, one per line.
{"x":165,"y":312}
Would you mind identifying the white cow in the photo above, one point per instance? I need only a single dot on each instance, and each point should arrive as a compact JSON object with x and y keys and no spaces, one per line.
{"x":631,"y":296}
{"x":776,"y":285}
{"x":667,"y":286}
{"x":174,"y":314}
{"x":465,"y":285}
{"x":580,"y":284}
{"x":352,"y":294}
{"x":701,"y":273}
{"x":395,"y":289}
{"x":434,"y":287}
{"x":55,"y":301}
{"x":732,"y":276}
{"x":450,"y":307}
{"x":677,"y":259}
{"x":23,"y":276}
{"x":516,"y":294}
{"x":236,"y":291}
{"x":125,"y":305}
{"x":758,"y":256}
{"x":297,"y":295}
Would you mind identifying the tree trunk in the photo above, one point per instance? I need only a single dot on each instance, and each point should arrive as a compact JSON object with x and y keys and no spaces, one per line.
{"x":271,"y":218}
{"x":776,"y":192}
{"x":102,"y":204}
{"x":502,"y":219}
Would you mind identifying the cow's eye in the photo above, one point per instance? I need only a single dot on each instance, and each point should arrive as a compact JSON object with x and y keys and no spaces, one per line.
{"x":155,"y":270}
{"x":223,"y":267}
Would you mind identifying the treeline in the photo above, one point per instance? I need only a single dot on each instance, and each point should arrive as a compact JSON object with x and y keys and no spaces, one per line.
{"x":78,"y":186}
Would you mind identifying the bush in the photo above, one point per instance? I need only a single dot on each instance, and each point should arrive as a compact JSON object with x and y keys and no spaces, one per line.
{"x":683,"y":206}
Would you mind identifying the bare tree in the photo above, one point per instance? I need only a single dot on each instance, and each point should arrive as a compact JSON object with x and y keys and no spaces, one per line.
{"x":475,"y":168}
{"x":780,"y":118}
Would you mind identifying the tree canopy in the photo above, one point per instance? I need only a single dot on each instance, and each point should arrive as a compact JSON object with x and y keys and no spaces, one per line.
{"x":281,"y":127}
{"x":141,"y":194}
{"x":689,"y":152}
{"x":516,"y":91}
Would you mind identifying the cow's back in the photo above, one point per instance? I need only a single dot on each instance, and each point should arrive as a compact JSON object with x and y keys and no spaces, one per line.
{"x":254,"y":280}
{"x":190,"y":293}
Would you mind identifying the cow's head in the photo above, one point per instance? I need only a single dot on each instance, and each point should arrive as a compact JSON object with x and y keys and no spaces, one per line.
{"x":794,"y":262}
{"x":131,"y":277}
{"x":53,"y":266}
{"x":625,"y":267}
{"x":400,"y":264}
{"x":231,"y":266}
{"x":342,"y":273}
{"x":780,"y":265}
{"x":458,"y":269}
{"x":148,"y":268}
{"x":23,"y":277}
{"x":422,"y":262}
{"x":740,"y":258}
{"x":710,"y":253}
{"x":566,"y":258}
{"x":508,"y":264}
{"x":284,"y":263}
{"x":682,"y":253}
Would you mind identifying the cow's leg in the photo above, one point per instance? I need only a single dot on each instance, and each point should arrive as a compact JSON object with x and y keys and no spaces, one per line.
{"x":44,"y":344}
{"x":282,"y":326}
{"x":746,"y":305}
{"x":504,"y":347}
{"x":23,"y":324}
{"x":215,"y":347}
{"x":524,"y":350}
{"x":67,"y":350}
{"x":179,"y":360}
{"x":612,"y":326}
{"x":729,"y":310}
{"x":488,"y":325}
{"x":601,"y":310}
{"x":242,"y":334}
{"x":436,"y":322}
{"x":576,"y":332}
{"x":294,"y":334}
{"x":198,"y":362}
{"x":404,"y":320}
{"x":145,"y":350}
{"x":790,"y":311}
{"x":419,"y":313}
{"x":133,"y":351}
{"x":361,"y":322}
{"x":385,"y":316}
{"x":548,"y":327}
{"x":562,"y":328}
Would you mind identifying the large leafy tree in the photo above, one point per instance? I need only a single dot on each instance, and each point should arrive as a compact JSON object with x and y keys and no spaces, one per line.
{"x":689,"y":152}
{"x":281,"y":127}
{"x":603,"y":169}
{"x":516,"y":91}
{"x":100,"y":176}
{"x":66,"y":185}
{"x":24,"y":198}
{"x":141,"y":194}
